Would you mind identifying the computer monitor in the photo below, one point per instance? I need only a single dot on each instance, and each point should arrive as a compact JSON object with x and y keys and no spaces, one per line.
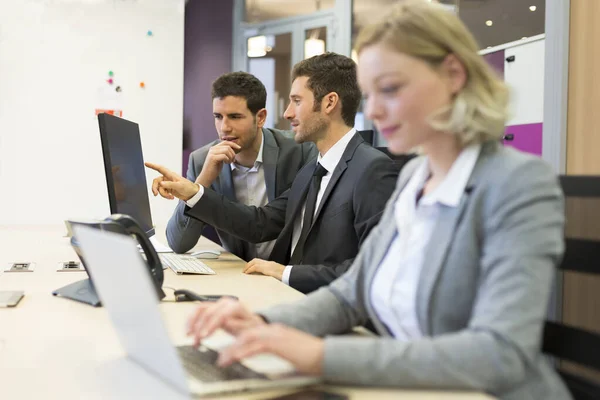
{"x":124,"y":168}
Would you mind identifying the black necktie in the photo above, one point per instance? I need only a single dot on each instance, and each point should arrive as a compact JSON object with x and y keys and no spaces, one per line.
{"x":309,"y":211}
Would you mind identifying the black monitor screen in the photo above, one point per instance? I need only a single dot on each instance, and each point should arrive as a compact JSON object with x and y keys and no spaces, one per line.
{"x":124,"y":168}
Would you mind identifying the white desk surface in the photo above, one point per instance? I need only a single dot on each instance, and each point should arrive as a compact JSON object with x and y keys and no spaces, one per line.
{"x":55,"y":348}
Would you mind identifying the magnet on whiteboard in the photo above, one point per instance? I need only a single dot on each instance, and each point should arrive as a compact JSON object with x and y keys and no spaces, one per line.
{"x":118,"y":88}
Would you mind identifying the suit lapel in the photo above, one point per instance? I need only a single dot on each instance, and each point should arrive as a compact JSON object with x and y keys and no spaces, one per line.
{"x":226,"y":182}
{"x":224,"y":185}
{"x":436,"y":251}
{"x":389,"y":230}
{"x":303,"y":186}
{"x":270,"y":156}
{"x":338,"y":172}
{"x":296,"y":198}
{"x":437,"y":248}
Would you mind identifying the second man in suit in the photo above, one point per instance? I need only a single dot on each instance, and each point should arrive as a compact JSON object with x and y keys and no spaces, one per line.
{"x":248,"y":163}
{"x":334,"y":201}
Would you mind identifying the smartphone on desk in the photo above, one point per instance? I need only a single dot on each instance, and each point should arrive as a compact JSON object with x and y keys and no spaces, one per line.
{"x":10,"y":298}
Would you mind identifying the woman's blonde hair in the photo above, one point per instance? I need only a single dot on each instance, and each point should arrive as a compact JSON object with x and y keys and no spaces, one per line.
{"x":429,"y":32}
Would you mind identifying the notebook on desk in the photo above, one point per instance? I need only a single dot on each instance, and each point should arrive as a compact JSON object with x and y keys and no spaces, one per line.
{"x":143,"y":334}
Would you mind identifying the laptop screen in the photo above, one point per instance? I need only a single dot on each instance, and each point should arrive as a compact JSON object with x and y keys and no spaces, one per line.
{"x":124,"y":285}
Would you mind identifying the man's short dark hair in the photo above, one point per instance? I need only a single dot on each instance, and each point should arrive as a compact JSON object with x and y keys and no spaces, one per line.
{"x":331,"y":72}
{"x":241,"y":84}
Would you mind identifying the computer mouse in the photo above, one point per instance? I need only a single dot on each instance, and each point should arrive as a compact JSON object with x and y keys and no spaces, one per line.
{"x":185,"y":295}
{"x":206,"y":254}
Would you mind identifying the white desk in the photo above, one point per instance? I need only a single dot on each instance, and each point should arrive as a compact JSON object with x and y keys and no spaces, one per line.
{"x":55,"y":348}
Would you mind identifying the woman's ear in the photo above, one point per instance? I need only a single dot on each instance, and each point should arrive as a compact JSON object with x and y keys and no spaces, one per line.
{"x":455,"y":73}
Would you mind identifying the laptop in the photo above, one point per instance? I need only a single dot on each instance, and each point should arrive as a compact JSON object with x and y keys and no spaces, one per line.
{"x":118,"y":271}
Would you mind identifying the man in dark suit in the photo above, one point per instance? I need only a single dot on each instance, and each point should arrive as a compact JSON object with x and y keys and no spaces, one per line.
{"x":248,"y":163}
{"x":334,"y":202}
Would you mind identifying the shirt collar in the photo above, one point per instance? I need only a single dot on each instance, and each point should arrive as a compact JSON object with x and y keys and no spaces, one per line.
{"x":259,"y":157}
{"x":451,"y":189}
{"x":333,"y":156}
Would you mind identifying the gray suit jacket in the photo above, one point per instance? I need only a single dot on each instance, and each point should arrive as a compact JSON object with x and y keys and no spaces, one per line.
{"x":351,"y":206}
{"x":282,"y":159}
{"x":482,"y":294}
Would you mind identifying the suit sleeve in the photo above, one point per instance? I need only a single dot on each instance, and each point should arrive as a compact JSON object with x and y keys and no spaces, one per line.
{"x":249,"y":223}
{"x":371,"y":193}
{"x":523,"y":231}
{"x":184,"y":232}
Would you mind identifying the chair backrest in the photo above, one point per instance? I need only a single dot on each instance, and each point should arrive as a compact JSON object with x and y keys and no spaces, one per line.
{"x":560,"y":340}
{"x":399,"y":160}
{"x":368,"y":136}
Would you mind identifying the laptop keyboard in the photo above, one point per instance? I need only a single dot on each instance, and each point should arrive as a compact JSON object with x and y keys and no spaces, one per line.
{"x":201,"y":364}
{"x":181,"y":264}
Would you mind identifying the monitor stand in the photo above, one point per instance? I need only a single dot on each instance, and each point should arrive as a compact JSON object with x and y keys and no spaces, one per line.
{"x":82,"y":291}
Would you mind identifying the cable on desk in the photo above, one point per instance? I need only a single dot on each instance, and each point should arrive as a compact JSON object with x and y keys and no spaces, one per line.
{"x":169,"y":301}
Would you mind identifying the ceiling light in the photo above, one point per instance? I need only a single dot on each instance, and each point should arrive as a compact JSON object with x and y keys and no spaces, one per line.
{"x":489,"y":22}
{"x":313,"y":47}
{"x":257,"y":46}
{"x":532,"y":8}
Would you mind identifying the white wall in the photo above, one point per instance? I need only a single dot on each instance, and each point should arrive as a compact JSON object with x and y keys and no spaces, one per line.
{"x":54,"y":59}
{"x":264,"y":70}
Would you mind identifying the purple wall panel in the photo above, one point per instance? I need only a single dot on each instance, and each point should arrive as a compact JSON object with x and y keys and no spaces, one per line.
{"x":208,"y":49}
{"x":496,"y":60}
{"x":527,"y":138}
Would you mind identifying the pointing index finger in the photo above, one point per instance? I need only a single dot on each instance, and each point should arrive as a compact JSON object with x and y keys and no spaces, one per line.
{"x":160,"y":169}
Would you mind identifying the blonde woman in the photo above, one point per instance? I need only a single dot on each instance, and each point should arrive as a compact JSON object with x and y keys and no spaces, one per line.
{"x":457,"y":275}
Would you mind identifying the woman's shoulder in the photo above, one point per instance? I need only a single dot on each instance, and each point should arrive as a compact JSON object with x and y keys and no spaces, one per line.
{"x":498,"y":167}
{"x":506,"y":175}
{"x":502,"y":163}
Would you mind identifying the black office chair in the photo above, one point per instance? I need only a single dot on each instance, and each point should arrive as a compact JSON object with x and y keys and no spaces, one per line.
{"x":368,"y":136}
{"x":399,"y":160}
{"x":567,"y":342}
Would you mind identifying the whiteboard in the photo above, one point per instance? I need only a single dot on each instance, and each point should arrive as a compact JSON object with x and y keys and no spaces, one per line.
{"x":55,"y":58}
{"x":525,"y":77}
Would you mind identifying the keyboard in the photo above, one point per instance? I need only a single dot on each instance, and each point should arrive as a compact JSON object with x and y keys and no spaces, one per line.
{"x":182,"y":264}
{"x":201,"y":363}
